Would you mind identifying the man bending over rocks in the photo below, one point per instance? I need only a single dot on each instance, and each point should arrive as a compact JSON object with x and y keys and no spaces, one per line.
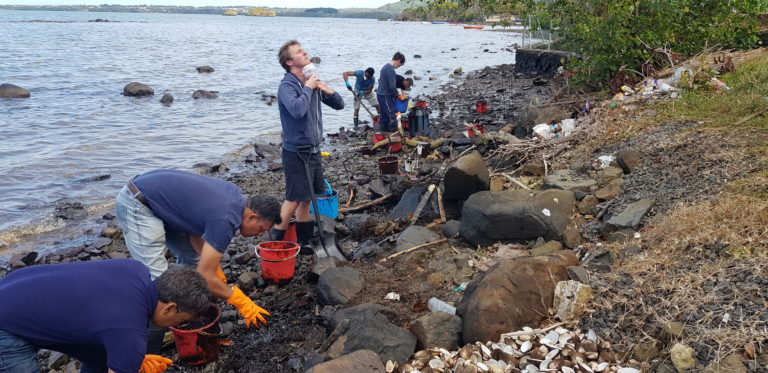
{"x":299,"y":97}
{"x":195,"y":216}
{"x":96,"y":312}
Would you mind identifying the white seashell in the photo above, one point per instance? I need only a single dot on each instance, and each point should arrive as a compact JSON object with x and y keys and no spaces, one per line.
{"x":486,"y":351}
{"x":601,"y":367}
{"x":531,"y":369}
{"x":436,"y":364}
{"x":591,"y":335}
{"x":551,"y":355}
{"x":628,"y":370}
{"x":390,"y":367}
{"x":527,"y":329}
{"x":567,"y":370}
{"x":561,"y":330}
{"x":544,"y":365}
{"x":526,"y":346}
{"x":586,"y":367}
{"x":482,"y":367}
{"x":550,"y":339}
{"x":563,"y":339}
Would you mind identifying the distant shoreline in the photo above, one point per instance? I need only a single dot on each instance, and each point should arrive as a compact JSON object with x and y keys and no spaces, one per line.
{"x":369,"y":13}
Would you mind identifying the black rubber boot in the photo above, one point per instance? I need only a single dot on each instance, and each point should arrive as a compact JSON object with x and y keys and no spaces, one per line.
{"x":357,"y":122}
{"x":276,"y":234}
{"x":305,"y":233}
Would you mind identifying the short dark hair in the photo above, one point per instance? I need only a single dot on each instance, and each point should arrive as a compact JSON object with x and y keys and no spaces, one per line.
{"x":370,"y":71}
{"x":409,"y":80}
{"x":185,"y":287}
{"x":267,"y":207}
{"x":283,"y":56}
{"x":399,"y":57}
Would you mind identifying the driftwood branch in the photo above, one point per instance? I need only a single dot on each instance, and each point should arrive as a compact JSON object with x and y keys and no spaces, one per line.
{"x":750,"y":117}
{"x":414,"y":249}
{"x":351,"y":197}
{"x":440,"y":206}
{"x":366,"y":204}
{"x":512,"y":179}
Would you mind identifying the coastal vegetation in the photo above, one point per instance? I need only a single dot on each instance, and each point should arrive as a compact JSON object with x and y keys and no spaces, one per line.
{"x":261,"y":12}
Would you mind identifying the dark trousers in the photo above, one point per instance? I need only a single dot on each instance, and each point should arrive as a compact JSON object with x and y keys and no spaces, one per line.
{"x":388,"y":118}
{"x":17,"y":355}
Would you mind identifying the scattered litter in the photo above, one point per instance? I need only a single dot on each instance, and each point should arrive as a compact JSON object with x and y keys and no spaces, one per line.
{"x":392,"y":296}
{"x":551,"y":131}
{"x":718,"y":84}
{"x":637,"y":235}
{"x":546,"y":212}
{"x":436,"y":305}
{"x":605,"y":160}
{"x":461,"y":287}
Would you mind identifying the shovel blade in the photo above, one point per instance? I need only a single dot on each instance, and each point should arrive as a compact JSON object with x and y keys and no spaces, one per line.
{"x":327,"y":247}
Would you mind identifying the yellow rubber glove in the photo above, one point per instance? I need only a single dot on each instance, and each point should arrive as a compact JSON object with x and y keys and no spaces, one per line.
{"x":250,"y":311}
{"x":325,"y":154}
{"x":220,"y":275}
{"x":155,"y":364}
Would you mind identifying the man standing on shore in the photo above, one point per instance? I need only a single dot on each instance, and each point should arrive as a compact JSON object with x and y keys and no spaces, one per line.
{"x":96,"y":312}
{"x":195,"y":216}
{"x":387,"y":91}
{"x":299,"y":97}
{"x":364,"y":82}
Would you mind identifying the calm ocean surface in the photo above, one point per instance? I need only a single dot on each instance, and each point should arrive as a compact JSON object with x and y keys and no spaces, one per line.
{"x":77,"y":124}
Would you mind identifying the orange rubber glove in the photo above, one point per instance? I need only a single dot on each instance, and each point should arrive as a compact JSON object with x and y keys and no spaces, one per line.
{"x":250,"y":311}
{"x":155,"y":364}
{"x":220,"y":275}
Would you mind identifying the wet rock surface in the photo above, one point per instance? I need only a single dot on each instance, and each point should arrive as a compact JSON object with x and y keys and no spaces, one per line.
{"x":13,"y":91}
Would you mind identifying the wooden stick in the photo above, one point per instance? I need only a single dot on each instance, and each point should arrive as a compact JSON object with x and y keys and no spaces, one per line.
{"x":750,"y":117}
{"x":434,"y":223}
{"x":414,"y":249}
{"x":535,"y":331}
{"x":351,"y":197}
{"x":366,"y":204}
{"x":512,"y":179}
{"x":440,"y":204}
{"x":422,"y":203}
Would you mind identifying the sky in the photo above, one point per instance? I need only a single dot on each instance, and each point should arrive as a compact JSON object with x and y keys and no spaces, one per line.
{"x":269,"y":3}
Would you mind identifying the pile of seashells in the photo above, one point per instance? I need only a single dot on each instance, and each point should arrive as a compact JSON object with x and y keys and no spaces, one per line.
{"x":527,"y":351}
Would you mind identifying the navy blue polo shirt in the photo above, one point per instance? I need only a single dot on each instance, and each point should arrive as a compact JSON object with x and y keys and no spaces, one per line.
{"x":194,"y":204}
{"x":107,"y":302}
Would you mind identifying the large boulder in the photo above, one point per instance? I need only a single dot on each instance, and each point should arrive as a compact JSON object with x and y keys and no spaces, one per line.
{"x":201,"y":93}
{"x":357,"y":361}
{"x":516,"y":215}
{"x":467,"y":176}
{"x":339,"y":285}
{"x":13,"y":91}
{"x":136,"y":89}
{"x":437,"y":329}
{"x":512,"y":294}
{"x":366,"y":327}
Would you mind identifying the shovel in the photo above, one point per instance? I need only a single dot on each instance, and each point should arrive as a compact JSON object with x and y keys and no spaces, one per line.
{"x":327,"y":241}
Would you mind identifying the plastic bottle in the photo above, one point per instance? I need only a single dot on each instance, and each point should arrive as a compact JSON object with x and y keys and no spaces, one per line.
{"x":436,"y":305}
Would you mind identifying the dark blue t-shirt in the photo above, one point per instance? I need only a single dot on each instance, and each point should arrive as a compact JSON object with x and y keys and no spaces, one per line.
{"x":106,"y":302}
{"x":194,"y":204}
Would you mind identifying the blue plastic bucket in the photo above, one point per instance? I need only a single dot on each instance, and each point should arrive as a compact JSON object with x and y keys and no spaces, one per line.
{"x":401,"y":106}
{"x":327,"y":203}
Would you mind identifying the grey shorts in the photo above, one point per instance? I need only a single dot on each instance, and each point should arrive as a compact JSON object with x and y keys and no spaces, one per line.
{"x":296,"y":186}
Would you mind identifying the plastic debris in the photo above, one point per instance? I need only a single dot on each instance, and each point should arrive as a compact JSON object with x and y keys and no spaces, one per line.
{"x":392,"y":296}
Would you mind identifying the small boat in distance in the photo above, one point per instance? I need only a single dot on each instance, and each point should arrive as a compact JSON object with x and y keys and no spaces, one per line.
{"x":437,"y":23}
{"x":454,"y":23}
{"x":474,"y":27}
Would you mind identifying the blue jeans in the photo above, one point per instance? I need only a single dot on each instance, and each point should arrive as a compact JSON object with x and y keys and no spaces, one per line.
{"x":388,"y":118}
{"x":147,"y":237}
{"x":17,"y":355}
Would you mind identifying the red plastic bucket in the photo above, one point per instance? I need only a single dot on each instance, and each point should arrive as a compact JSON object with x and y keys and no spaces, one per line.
{"x":422,"y":104}
{"x":395,"y":146}
{"x":201,"y":345}
{"x":278,"y":260}
{"x":481,"y":107}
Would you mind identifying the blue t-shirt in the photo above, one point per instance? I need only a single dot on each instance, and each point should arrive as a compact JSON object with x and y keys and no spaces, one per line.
{"x":107,"y":302}
{"x":194,"y":204}
{"x":362,"y":84}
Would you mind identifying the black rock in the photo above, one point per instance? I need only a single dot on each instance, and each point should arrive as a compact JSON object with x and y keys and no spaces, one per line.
{"x":201,"y":93}
{"x":167,"y":98}
{"x":136,"y":89}
{"x":13,"y":91}
{"x":416,"y":56}
{"x":69,"y":209}
{"x":204,"y":69}
{"x":409,"y":72}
